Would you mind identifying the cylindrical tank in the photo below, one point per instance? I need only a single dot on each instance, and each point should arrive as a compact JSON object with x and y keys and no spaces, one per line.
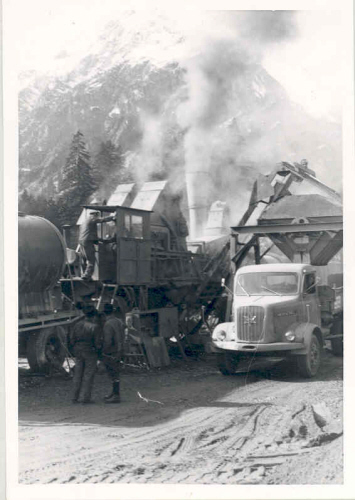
{"x":41,"y":254}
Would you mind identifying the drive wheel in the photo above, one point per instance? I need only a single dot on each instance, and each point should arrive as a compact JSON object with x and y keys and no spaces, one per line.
{"x":45,"y":349}
{"x":308,"y":364}
{"x":227,"y":363}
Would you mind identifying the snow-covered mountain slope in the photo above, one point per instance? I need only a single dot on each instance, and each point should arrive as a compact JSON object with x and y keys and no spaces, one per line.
{"x":170,"y":109}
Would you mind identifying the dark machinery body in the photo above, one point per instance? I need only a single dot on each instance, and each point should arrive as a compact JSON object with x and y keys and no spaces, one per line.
{"x":142,"y":266}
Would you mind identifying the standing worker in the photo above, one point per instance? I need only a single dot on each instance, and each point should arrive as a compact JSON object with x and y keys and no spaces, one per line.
{"x":88,"y":238}
{"x":84,"y":344}
{"x":112,"y":351}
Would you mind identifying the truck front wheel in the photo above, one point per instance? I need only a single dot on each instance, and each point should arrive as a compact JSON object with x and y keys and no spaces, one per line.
{"x":309,"y":363}
{"x":45,"y":349}
{"x":227,"y":363}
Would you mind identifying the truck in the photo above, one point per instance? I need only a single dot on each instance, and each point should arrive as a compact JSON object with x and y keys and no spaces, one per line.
{"x":287,"y":308}
{"x":279,"y":310}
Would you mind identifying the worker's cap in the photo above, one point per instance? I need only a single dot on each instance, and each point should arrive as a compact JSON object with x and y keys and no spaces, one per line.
{"x":89,"y":310}
{"x":108,"y":308}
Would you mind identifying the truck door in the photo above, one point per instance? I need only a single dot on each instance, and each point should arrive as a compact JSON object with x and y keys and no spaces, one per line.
{"x":311,"y":304}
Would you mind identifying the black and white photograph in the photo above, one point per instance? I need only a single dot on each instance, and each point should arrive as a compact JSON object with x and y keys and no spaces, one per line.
{"x":174,"y":199}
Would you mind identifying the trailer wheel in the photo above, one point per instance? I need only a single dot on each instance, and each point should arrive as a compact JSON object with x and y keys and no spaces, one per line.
{"x":227,"y":363}
{"x":309,"y":363}
{"x":45,"y":349}
{"x":337,"y":344}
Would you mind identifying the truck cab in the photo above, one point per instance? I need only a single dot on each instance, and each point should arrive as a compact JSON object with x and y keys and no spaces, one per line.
{"x":276,"y":311}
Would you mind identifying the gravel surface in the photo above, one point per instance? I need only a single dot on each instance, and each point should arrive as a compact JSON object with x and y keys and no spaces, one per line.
{"x":186,"y":424}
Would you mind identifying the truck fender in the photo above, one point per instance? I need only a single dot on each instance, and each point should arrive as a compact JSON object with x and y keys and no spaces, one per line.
{"x":303,"y":333}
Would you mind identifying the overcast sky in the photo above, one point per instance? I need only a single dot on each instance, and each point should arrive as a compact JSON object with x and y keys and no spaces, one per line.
{"x":308,"y":66}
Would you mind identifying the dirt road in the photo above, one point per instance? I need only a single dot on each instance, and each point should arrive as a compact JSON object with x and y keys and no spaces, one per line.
{"x":185,"y":424}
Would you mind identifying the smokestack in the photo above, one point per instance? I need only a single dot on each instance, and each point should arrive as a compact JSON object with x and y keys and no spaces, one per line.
{"x":197,"y":183}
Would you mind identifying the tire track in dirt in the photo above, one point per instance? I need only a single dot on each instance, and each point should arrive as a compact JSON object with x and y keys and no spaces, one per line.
{"x":189,"y":428}
{"x":186,"y":428}
{"x":224,"y":431}
{"x":86,"y":457}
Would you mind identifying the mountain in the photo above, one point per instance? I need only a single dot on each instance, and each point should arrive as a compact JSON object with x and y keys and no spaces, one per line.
{"x":170,"y":109}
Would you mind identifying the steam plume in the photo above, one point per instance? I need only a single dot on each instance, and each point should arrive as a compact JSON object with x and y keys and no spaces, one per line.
{"x":214,"y":77}
{"x":231,"y":126}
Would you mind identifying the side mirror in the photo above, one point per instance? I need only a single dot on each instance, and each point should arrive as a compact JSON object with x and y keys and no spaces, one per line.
{"x":223,"y":285}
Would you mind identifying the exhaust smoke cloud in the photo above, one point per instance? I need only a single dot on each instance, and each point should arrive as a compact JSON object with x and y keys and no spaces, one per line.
{"x":231,"y":127}
{"x":215,"y":76}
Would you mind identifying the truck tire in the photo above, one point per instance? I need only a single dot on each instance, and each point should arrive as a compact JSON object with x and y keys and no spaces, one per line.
{"x":227,"y":363}
{"x":309,"y":363}
{"x":337,"y":344}
{"x":45,"y":349}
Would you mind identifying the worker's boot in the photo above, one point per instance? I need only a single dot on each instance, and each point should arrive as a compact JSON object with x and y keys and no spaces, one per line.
{"x":109,"y":395}
{"x":115,"y":398}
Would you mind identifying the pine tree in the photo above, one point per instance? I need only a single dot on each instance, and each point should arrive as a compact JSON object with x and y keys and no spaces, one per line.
{"x":109,"y":168}
{"x":77,"y":178}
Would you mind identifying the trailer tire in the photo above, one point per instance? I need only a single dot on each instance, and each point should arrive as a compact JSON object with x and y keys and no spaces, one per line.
{"x":337,"y":344}
{"x":308,"y":364}
{"x":45,"y":349}
{"x":227,"y":363}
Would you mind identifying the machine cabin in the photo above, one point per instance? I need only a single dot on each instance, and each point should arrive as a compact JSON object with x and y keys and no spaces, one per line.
{"x":124,"y":251}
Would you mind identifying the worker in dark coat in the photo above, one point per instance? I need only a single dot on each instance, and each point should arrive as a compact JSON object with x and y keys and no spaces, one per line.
{"x":85,"y":342}
{"x":112,"y":351}
{"x":88,"y":238}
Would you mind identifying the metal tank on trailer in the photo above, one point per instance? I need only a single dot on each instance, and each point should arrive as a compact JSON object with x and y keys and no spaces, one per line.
{"x":43,"y":316}
{"x":41,"y":257}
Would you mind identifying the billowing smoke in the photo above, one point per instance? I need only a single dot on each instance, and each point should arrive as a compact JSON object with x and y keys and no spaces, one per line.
{"x":229,"y":120}
{"x":148,"y":161}
{"x":215,"y":78}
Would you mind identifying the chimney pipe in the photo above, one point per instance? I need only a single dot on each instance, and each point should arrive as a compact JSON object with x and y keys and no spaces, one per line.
{"x":198,"y":187}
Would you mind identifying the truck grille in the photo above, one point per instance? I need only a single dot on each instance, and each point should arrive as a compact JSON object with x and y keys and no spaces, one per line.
{"x":250,"y":320}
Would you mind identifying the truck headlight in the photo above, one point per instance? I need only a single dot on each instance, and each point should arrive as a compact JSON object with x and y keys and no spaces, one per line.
{"x":221,"y":335}
{"x":290,"y":336}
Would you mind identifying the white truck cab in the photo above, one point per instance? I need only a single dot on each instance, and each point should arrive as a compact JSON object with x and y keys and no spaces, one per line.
{"x":276,"y":309}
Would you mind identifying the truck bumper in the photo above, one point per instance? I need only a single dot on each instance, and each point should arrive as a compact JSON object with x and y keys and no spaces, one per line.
{"x":245,"y":347}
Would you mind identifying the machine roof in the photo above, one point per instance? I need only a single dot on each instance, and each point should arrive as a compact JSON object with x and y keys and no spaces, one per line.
{"x":111,"y":208}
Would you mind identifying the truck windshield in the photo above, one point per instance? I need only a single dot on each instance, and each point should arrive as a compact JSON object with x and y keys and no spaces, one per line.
{"x":267,"y":284}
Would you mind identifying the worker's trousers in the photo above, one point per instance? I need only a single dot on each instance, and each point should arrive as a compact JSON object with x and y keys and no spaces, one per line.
{"x":84,"y":372}
{"x":112,"y":365}
{"x":88,"y":252}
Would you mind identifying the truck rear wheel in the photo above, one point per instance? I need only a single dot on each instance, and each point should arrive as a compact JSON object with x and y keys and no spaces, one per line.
{"x":309,"y":363}
{"x":227,"y":363}
{"x":45,"y":349}
{"x":337,"y":344}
